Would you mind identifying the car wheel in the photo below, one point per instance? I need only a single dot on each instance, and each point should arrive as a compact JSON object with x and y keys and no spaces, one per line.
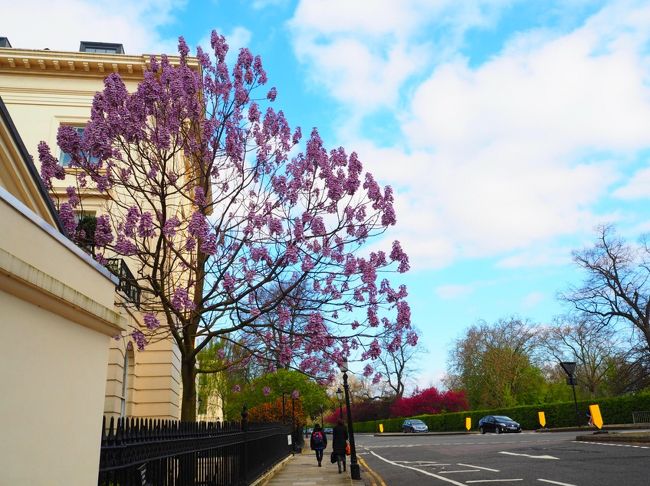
{"x":498,"y":430}
{"x":482,"y":430}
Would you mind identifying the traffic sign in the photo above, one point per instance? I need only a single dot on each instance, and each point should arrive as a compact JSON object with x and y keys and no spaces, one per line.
{"x":568,"y":366}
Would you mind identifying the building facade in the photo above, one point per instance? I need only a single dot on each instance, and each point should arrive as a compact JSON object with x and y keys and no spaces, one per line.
{"x":58,"y":318}
{"x":43,"y":90}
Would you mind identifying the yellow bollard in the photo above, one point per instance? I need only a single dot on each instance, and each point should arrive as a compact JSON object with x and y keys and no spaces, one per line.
{"x":381,"y":428}
{"x":542,"y":419}
{"x":596,"y":417}
{"x":468,"y":423}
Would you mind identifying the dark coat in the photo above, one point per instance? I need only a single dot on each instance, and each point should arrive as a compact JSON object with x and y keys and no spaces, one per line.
{"x":339,"y":439}
{"x":311,"y":440}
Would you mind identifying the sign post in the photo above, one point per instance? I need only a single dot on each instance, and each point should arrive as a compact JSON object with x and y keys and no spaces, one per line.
{"x":569,"y":368}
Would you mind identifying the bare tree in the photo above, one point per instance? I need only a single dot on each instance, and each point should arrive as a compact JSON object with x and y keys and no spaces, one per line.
{"x":579,"y":339}
{"x":616,"y":289}
{"x":396,"y":364}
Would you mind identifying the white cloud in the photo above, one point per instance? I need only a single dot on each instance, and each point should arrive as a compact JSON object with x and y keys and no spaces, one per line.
{"x":638,"y":187}
{"x":532,"y":300}
{"x":453,"y":291}
{"x":520,"y":150}
{"x":363,"y":53}
{"x":62,"y":24}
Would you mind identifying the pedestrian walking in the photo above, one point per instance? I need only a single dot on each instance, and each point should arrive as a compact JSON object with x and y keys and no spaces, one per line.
{"x":339,"y":444}
{"x":318,"y":443}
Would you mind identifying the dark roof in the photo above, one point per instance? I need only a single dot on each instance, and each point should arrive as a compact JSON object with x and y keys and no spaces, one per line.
{"x":101,"y":47}
{"x":4,"y":42}
{"x":29,"y":163}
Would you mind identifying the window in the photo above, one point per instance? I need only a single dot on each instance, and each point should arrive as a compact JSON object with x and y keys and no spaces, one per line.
{"x":86,"y":223}
{"x":101,"y":47}
{"x":66,"y":158}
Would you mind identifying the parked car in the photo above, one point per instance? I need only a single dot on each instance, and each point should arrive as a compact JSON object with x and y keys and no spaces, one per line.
{"x":414,"y":425}
{"x":328,"y":430}
{"x":498,"y":424}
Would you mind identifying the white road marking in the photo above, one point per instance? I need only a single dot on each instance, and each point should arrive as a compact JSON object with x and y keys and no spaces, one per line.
{"x":493,"y":480}
{"x":610,"y":444}
{"x":459,"y":471}
{"x":555,"y":482}
{"x":528,"y":455}
{"x":478,"y":467}
{"x":442,"y":478}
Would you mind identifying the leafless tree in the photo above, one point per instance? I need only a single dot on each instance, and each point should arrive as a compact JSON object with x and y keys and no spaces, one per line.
{"x":616,"y":289}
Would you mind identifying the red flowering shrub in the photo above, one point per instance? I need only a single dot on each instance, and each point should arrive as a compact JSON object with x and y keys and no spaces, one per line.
{"x":429,"y":401}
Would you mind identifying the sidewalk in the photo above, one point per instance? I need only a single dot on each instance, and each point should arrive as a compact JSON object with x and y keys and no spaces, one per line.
{"x":303,"y":470}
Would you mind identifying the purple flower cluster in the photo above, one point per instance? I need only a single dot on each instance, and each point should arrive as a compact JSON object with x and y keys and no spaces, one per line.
{"x":50,"y":167}
{"x":181,"y":301}
{"x":151,"y":321}
{"x":103,"y":231}
{"x":139,"y":339}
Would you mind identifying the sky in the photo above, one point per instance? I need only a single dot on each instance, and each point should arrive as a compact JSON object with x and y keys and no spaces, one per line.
{"x":508,"y":129}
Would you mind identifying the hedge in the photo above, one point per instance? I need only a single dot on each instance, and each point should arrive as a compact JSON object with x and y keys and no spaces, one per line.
{"x":616,"y":410}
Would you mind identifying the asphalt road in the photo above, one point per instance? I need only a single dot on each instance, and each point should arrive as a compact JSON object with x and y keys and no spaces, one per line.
{"x":528,"y":458}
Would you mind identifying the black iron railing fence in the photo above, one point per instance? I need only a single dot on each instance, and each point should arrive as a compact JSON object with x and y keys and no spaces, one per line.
{"x":170,"y":453}
{"x":128,"y":284}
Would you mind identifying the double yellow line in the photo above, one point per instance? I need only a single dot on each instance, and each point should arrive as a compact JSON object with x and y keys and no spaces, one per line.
{"x":376,"y":478}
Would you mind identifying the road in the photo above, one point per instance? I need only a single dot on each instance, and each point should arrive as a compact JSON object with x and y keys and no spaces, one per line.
{"x":528,"y":458}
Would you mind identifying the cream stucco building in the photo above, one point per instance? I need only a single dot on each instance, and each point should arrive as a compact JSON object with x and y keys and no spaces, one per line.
{"x":42,"y":90}
{"x":57,"y":319}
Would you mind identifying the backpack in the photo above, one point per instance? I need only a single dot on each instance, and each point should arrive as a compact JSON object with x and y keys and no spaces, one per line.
{"x":318,"y":440}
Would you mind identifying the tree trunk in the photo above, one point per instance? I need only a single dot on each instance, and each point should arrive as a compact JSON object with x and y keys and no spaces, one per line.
{"x":188,"y":399}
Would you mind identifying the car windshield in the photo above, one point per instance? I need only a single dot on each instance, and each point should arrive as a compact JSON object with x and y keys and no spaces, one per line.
{"x":417,"y":422}
{"x":503,"y":418}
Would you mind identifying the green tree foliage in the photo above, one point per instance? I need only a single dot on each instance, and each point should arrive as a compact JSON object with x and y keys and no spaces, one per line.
{"x":494,"y":365}
{"x":269,"y":387}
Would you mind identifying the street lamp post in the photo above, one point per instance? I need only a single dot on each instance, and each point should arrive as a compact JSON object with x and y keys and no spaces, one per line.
{"x":339,"y":394}
{"x":322,"y":422}
{"x":355,"y":472}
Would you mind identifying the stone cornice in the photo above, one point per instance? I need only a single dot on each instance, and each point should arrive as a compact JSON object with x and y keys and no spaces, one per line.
{"x":81,"y":64}
{"x":26,"y":282}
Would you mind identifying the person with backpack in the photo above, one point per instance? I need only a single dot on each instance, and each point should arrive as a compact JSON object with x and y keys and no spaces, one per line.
{"x":339,"y":444}
{"x":318,"y":443}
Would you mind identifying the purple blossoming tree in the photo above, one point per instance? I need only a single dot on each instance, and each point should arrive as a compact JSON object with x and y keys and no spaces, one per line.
{"x":225,"y":221}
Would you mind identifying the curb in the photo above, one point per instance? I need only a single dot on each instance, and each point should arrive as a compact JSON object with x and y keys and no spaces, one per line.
{"x":377,"y":480}
{"x":418,"y":434}
{"x":264,"y":478}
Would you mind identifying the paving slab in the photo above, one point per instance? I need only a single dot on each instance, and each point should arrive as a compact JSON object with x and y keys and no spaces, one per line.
{"x":303,"y":470}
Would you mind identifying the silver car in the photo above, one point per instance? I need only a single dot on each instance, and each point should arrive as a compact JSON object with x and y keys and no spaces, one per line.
{"x":414,"y":425}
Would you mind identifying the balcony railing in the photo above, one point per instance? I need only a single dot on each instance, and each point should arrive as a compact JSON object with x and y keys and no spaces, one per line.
{"x":127,"y":284}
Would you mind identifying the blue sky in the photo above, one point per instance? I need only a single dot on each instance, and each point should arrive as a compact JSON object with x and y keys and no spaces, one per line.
{"x":509,"y":129}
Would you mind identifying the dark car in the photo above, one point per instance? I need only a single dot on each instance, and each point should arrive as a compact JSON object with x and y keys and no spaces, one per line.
{"x":498,"y":424}
{"x":414,"y":425}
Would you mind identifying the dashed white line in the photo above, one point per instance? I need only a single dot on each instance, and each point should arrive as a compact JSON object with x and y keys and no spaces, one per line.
{"x":459,"y":471}
{"x":442,"y":478}
{"x":493,"y":481}
{"x":555,"y":482}
{"x":478,"y":467}
{"x":610,"y":444}
{"x":528,"y":455}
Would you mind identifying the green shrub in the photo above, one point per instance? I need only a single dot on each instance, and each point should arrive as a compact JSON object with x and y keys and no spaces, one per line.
{"x":615,"y":410}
